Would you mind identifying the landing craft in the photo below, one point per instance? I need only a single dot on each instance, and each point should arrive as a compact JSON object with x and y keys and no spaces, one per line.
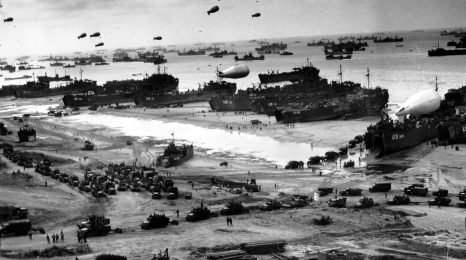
{"x":256,"y":15}
{"x":10,"y":19}
{"x":97,"y":34}
{"x":420,"y":103}
{"x":99,"y":44}
{"x":234,"y":72}
{"x":83,"y":35}
{"x":158,"y":38}
{"x":213,"y":10}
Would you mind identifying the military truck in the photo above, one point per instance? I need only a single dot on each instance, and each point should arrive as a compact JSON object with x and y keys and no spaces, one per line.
{"x":365,"y":202}
{"x":399,"y":200}
{"x":155,"y":221}
{"x":337,"y":202}
{"x":199,"y":213}
{"x":324,"y":191}
{"x":95,"y":226}
{"x":440,"y":193}
{"x":233,"y":208}
{"x":462,"y":194}
{"x":271,"y":205}
{"x":381,"y":187}
{"x":416,"y":190}
{"x":440,"y":201}
{"x":109,"y":188}
{"x":351,"y":192}
{"x":11,"y":213}
{"x":18,"y":227}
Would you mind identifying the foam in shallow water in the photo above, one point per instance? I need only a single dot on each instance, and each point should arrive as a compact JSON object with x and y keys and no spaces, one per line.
{"x":214,"y":139}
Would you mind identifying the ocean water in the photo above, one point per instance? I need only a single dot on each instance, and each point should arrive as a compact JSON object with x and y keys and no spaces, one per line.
{"x":402,"y":70}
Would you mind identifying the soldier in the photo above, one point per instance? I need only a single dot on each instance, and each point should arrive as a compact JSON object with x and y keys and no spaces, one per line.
{"x":48,"y":238}
{"x":78,"y":234}
{"x":62,"y":236}
{"x":177,"y":213}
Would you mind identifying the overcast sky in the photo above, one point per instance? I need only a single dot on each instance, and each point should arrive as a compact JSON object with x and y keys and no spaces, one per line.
{"x":52,"y":26}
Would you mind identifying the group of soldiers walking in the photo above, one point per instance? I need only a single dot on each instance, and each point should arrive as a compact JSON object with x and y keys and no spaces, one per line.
{"x":56,"y":238}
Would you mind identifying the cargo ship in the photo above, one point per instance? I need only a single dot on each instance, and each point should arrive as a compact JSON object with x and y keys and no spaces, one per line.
{"x":223,"y":53}
{"x":175,"y":155}
{"x":444,"y":52}
{"x":154,"y":99}
{"x":429,"y":118}
{"x":43,"y":89}
{"x":320,"y":43}
{"x":305,"y":93}
{"x":124,"y":91}
{"x":57,"y":64}
{"x":297,"y":74}
{"x":9,"y":68}
{"x":272,"y":47}
{"x":47,"y":79}
{"x":191,"y":52}
{"x":249,"y":57}
{"x":388,"y":39}
{"x":361,"y":102}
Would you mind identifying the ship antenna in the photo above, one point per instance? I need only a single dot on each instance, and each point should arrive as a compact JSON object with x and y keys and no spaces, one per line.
{"x":368,"y":77}
{"x":340,"y":73}
{"x":436,"y":85}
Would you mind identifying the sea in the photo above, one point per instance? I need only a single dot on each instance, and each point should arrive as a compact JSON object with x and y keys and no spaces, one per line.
{"x":403,"y":68}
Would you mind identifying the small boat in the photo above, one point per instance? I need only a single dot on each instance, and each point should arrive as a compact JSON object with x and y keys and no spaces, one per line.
{"x":101,"y":63}
{"x":338,"y":57}
{"x":22,"y":77}
{"x":248,"y":57}
{"x":286,"y":53}
{"x":69,"y":66}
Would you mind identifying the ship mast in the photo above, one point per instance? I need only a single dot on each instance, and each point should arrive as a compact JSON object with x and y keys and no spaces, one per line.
{"x":340,"y":74}
{"x":436,"y":85}
{"x":81,"y":74}
{"x":368,"y":78}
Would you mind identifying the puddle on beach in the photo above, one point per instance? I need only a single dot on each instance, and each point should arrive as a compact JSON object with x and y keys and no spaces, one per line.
{"x":216,"y":140}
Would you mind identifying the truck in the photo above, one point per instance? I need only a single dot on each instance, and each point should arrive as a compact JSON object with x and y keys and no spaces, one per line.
{"x":351,"y":192}
{"x":337,"y":203}
{"x":271,"y":205}
{"x":324,"y":191}
{"x":440,"y":193}
{"x":11,"y":213}
{"x":399,"y":200}
{"x":233,"y":208}
{"x":381,"y":187}
{"x":440,"y":201}
{"x":416,"y":190}
{"x":18,"y":227}
{"x":95,"y":226}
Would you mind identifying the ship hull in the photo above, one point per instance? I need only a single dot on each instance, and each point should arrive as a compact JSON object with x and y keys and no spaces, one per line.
{"x":221,"y":104}
{"x":453,"y":133}
{"x":100,"y":100}
{"x":183,"y":98}
{"x":392,"y":140}
{"x":279,"y":77}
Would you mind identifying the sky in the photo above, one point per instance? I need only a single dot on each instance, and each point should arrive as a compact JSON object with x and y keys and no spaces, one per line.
{"x":52,"y":26}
